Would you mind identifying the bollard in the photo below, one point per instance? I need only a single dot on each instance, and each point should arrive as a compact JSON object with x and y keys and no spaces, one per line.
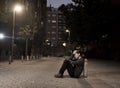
{"x":85,"y":71}
{"x":22,"y":58}
{"x":10,"y":59}
{"x":33,"y":57}
{"x":36,"y":57}
{"x":27,"y":58}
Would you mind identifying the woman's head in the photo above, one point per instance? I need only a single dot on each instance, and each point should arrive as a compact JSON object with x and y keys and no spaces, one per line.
{"x":77,"y":53}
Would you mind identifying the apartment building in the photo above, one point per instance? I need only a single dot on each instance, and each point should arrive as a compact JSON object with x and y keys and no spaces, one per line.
{"x":55,"y":30}
{"x":55,"y":27}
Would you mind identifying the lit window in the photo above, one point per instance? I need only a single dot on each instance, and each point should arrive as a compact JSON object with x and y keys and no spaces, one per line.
{"x":53,"y":21}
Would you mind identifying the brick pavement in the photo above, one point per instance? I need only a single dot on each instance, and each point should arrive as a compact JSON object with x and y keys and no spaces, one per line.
{"x":40,"y":74}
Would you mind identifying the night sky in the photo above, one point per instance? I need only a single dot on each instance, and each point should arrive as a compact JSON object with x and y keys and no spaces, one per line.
{"x":57,"y":3}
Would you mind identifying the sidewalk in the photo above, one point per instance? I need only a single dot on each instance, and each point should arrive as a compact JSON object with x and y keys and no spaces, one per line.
{"x":103,"y":74}
{"x":40,"y":74}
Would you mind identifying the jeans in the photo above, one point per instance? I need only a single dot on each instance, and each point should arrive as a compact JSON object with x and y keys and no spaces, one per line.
{"x":67,"y":65}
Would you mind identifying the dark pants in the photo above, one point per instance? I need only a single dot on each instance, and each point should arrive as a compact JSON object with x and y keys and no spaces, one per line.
{"x":67,"y":65}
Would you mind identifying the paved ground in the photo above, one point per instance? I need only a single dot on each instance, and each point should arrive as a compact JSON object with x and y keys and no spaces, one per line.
{"x":40,"y":74}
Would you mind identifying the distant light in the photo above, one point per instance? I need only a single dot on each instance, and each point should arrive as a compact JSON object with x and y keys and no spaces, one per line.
{"x":48,"y":43}
{"x":2,"y":36}
{"x":47,"y":40}
{"x":64,"y":44}
{"x":104,"y":36}
{"x":67,"y":30}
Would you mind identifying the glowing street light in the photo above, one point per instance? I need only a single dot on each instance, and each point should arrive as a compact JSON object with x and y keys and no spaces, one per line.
{"x":68,"y":31}
{"x":64,"y":44}
{"x":17,"y":8}
{"x":1,"y":36}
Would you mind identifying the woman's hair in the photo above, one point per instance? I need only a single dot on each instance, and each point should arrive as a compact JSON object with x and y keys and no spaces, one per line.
{"x":81,"y":54}
{"x":78,"y":51}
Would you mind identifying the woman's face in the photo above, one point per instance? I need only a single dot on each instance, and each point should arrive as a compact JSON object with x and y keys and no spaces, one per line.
{"x":77,"y":55}
{"x":74,"y":52}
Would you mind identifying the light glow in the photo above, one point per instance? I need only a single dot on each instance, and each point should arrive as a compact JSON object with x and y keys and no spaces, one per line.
{"x":18,"y":8}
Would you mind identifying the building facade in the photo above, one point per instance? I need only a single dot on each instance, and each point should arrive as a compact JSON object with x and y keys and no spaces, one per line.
{"x":55,"y":30}
{"x":55,"y":27}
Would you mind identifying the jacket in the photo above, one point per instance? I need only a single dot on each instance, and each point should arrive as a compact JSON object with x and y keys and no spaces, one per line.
{"x":78,"y":65}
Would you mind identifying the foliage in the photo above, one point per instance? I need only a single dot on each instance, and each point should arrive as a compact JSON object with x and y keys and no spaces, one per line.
{"x":3,"y":16}
{"x":88,"y":20}
{"x":27,"y":32}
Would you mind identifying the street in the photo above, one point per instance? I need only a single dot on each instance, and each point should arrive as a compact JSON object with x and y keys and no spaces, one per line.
{"x":40,"y":74}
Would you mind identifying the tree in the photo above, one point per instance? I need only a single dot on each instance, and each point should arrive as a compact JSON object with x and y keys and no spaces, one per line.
{"x":3,"y":13}
{"x":3,"y":17}
{"x":88,"y":20}
{"x":76,"y":21}
{"x":27,"y":33}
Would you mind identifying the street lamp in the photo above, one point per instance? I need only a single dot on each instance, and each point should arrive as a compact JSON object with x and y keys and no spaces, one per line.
{"x":1,"y":36}
{"x":17,"y":8}
{"x":68,"y":31}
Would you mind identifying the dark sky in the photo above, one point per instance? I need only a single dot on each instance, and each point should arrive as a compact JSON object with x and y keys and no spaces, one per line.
{"x":57,"y":3}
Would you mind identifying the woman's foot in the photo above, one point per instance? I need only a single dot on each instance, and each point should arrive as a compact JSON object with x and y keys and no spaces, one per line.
{"x":59,"y":75}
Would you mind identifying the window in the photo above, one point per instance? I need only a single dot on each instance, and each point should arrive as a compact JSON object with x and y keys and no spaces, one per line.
{"x":60,"y":33}
{"x":53,"y":26}
{"x":48,"y":38}
{"x":60,"y":38}
{"x":64,"y":27}
{"x":48,"y":15}
{"x":53,"y":38}
{"x":54,"y":15}
{"x":48,"y":32}
{"x":60,"y":16}
{"x":60,"y":21}
{"x":60,"y":27}
{"x":53,"y":32}
{"x":53,"y":21}
{"x":48,"y":21}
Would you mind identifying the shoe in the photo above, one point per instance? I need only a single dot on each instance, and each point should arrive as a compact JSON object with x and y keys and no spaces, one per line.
{"x":59,"y":75}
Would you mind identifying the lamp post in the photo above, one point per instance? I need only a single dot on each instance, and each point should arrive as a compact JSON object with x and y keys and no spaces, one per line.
{"x":17,"y":8}
{"x":68,"y":31}
{"x":64,"y":45}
